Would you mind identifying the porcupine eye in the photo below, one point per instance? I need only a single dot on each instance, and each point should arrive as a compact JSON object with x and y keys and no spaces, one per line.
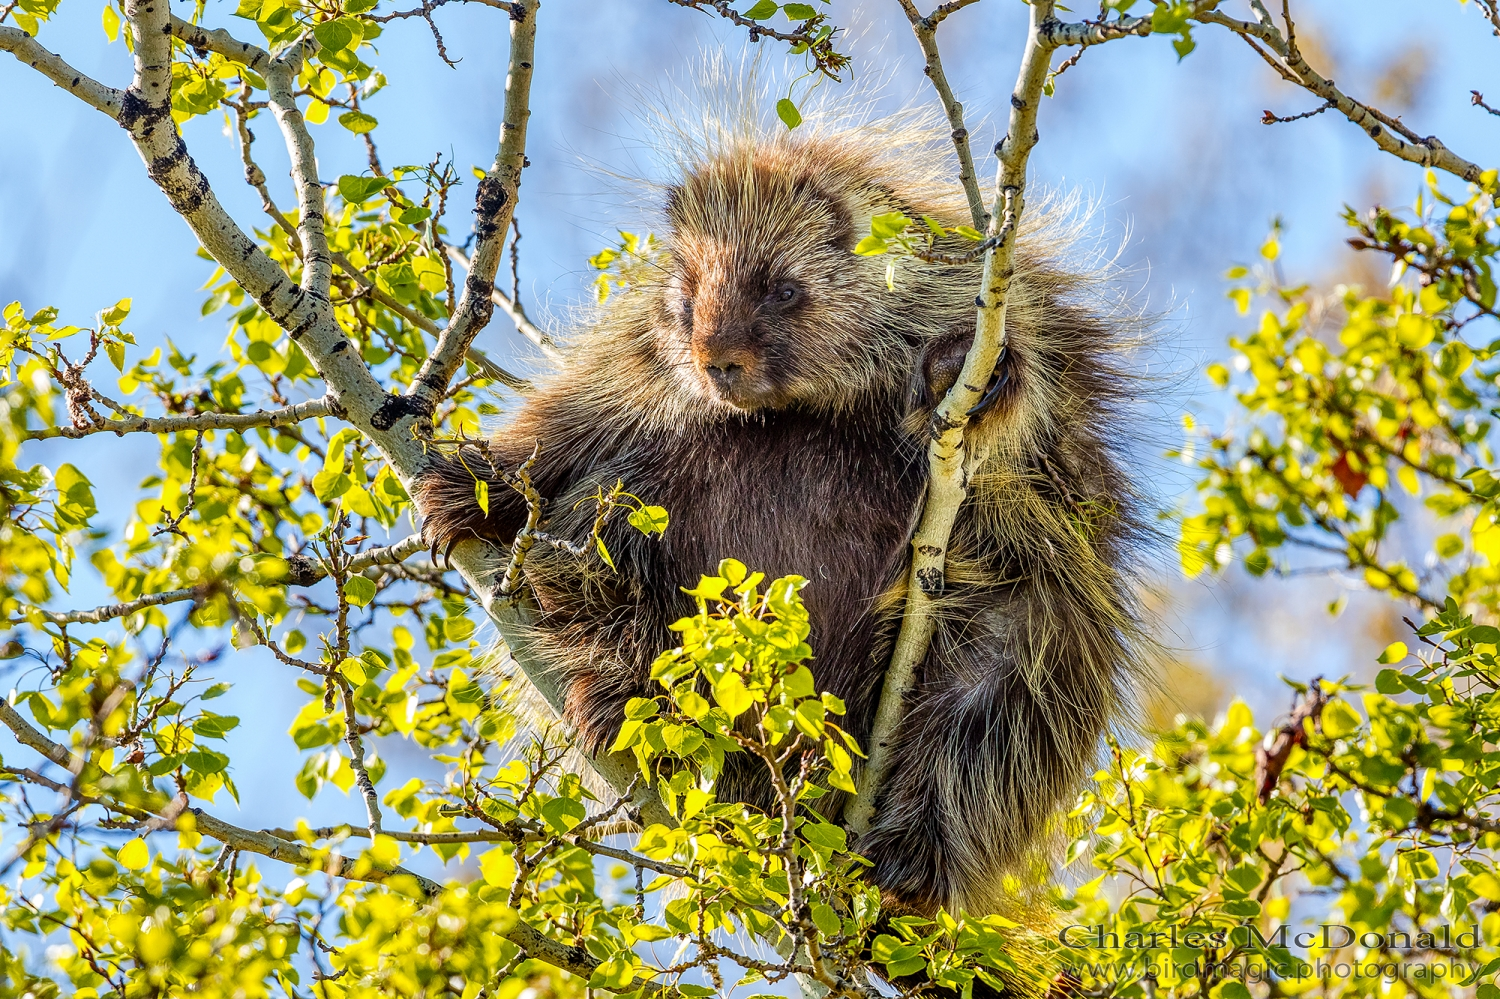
{"x":783,"y":294}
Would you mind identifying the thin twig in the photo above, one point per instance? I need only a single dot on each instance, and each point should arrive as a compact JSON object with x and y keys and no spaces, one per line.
{"x":1269,"y":117}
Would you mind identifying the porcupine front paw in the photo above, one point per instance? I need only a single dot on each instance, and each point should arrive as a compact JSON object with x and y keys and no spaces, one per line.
{"x":941,"y":365}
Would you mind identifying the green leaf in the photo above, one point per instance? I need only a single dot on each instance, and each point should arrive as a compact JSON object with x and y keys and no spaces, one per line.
{"x":111,"y":23}
{"x":604,"y":552}
{"x":206,"y":761}
{"x":785,"y":109}
{"x":353,"y":670}
{"x":358,"y":190}
{"x":329,"y":485}
{"x":134,"y":855}
{"x":708,"y":588}
{"x":359,"y":590}
{"x":215,"y":726}
{"x":641,"y":708}
{"x":482,"y":495}
{"x":731,"y":694}
{"x":563,"y":814}
{"x":798,"y":11}
{"x":826,"y":835}
{"x":1394,"y":653}
{"x":870,"y":246}
{"x":334,"y":36}
{"x":649,"y":520}
{"x":459,"y":628}
{"x":762,"y":10}
{"x":889,"y":225}
{"x":116,"y":314}
{"x":1483,"y":634}
{"x":358,"y":122}
{"x":1339,"y":720}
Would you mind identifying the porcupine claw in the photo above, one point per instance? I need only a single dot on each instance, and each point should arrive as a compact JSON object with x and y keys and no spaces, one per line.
{"x":997,"y":383}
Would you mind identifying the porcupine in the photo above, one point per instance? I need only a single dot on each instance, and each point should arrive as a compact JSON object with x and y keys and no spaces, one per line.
{"x":770,"y":390}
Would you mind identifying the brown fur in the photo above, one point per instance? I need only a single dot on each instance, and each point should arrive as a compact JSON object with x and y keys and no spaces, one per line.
{"x":790,"y":433}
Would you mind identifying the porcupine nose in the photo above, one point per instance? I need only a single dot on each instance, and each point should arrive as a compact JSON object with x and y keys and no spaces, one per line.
{"x":725,"y":374}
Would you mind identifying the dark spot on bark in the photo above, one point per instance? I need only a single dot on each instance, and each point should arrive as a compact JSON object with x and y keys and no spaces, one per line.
{"x":341,"y":345}
{"x":1016,"y":102}
{"x":1374,"y":131}
{"x":979,"y":301}
{"x":932,"y":551}
{"x":941,"y":425}
{"x":75,"y":81}
{"x":488,"y":203}
{"x":191,"y":200}
{"x":298,"y":331}
{"x":477,"y":296}
{"x":301,"y":571}
{"x":931,"y":581}
{"x":134,"y":109}
{"x":960,"y":134}
{"x":518,"y":11}
{"x":394,"y":408}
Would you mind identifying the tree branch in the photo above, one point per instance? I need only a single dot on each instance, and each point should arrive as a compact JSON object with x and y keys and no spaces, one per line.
{"x":317,"y":266}
{"x":109,"y":612}
{"x":93,"y":93}
{"x":306,"y":571}
{"x":308,"y":410}
{"x":494,"y":204}
{"x":220,"y":41}
{"x":926,"y":32}
{"x":947,"y":459}
{"x":307,"y":318}
{"x":354,"y":393}
{"x":1387,"y":133}
{"x":1491,"y":9}
{"x":819,"y":44}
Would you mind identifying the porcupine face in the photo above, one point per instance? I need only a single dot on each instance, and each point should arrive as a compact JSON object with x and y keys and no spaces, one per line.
{"x":762,"y":308}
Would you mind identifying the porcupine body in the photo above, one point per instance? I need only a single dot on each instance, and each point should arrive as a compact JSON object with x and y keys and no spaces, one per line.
{"x":773,"y":394}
